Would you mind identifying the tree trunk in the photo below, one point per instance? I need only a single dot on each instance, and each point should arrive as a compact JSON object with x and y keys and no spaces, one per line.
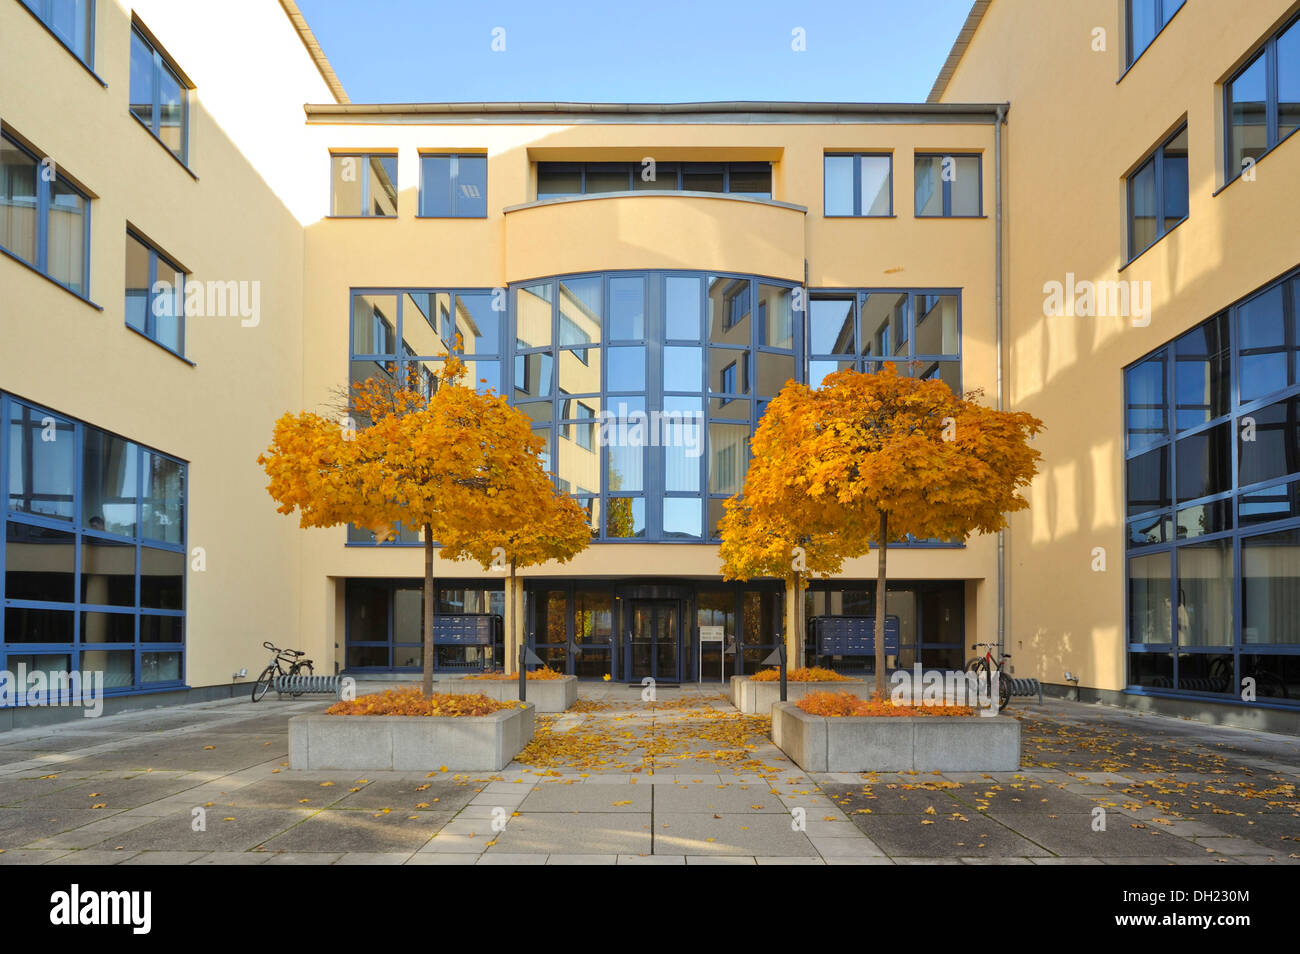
{"x":880,"y":606}
{"x":795,"y":660}
{"x":516,"y":640}
{"x":428,"y":610}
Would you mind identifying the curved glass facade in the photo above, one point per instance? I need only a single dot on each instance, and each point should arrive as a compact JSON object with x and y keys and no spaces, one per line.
{"x":647,"y":385}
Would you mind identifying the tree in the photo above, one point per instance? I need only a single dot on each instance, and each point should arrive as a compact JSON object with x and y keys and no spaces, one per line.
{"x":531,"y":523}
{"x":871,"y":459}
{"x":432,"y":454}
{"x":761,"y":534}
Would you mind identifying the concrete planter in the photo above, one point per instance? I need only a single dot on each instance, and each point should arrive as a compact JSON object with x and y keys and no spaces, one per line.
{"x":757,"y":698}
{"x":410,"y":743}
{"x":549,"y":695}
{"x":896,"y":743}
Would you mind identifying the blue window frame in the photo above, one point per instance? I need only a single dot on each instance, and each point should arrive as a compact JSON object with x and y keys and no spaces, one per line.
{"x":1158,"y":194}
{"x":561,"y":179}
{"x":1212,"y":496}
{"x":948,"y":185}
{"x":44,"y":219}
{"x":858,"y":184}
{"x":1144,"y":19}
{"x":160,"y":98}
{"x":363,"y":185}
{"x":93,"y":564}
{"x":155,"y":295}
{"x":405,"y":334}
{"x":453,"y":185}
{"x":72,"y":22}
{"x":1262,"y":101}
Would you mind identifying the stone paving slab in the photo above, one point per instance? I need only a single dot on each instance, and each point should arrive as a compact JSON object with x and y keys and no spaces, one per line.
{"x":677,"y":767}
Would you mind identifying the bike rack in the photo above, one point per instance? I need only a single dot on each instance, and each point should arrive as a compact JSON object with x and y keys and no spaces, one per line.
{"x":307,"y":684}
{"x":1025,"y":687}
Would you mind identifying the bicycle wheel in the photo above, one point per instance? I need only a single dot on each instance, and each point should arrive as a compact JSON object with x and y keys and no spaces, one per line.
{"x":1004,"y":690}
{"x":263,"y":684}
{"x":300,"y":669}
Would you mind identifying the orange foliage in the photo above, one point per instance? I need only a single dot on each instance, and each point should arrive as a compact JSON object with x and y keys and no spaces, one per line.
{"x":545,"y":674}
{"x":804,"y":674}
{"x":847,"y":704}
{"x":413,"y":702}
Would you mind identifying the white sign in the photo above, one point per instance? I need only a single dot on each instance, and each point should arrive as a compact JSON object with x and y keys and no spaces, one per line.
{"x":712,"y":634}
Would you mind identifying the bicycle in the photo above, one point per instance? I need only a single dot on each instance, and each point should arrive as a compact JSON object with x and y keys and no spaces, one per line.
{"x":984,"y":666}
{"x":297,"y":667}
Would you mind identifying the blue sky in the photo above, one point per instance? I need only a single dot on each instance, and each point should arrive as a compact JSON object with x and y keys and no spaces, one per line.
{"x":664,"y":51}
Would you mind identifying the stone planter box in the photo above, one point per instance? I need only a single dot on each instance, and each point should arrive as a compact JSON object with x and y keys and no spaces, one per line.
{"x":757,"y":698}
{"x":896,"y":743}
{"x":410,"y":743}
{"x":549,"y":695}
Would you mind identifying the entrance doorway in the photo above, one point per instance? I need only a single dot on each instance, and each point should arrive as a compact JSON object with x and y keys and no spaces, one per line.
{"x":653,"y":641}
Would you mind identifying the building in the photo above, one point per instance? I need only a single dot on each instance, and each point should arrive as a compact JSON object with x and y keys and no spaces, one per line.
{"x":200,"y":268}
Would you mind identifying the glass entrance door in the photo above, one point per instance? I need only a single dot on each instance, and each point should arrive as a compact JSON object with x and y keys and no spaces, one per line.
{"x":654,"y":640}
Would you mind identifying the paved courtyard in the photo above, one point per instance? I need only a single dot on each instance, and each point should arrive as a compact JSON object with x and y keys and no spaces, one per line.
{"x":685,"y":779}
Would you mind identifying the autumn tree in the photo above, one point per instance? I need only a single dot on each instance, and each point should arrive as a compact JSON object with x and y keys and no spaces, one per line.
{"x":531,"y":522}
{"x":431,"y":454}
{"x":763,"y":536}
{"x":873,"y":459}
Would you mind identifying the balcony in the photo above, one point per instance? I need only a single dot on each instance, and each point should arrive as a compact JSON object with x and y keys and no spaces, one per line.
{"x":660,"y":230}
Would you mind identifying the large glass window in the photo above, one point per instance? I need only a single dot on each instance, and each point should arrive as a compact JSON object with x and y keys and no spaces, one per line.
{"x":155,"y":295}
{"x":453,"y":186}
{"x":1157,"y":193}
{"x":94,"y":550}
{"x":159,"y":98}
{"x":72,"y":21}
{"x":1146,"y":18}
{"x":363,"y":184}
{"x":948,"y":185}
{"x":44,"y":220}
{"x":561,"y":179}
{"x":1213,"y":498}
{"x":1262,"y":100}
{"x":860,"y":184}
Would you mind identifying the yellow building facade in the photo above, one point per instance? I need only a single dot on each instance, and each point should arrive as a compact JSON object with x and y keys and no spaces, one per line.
{"x":639,"y":279}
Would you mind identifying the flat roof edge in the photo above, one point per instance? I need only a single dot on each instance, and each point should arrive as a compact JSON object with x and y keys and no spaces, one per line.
{"x":974,"y":111}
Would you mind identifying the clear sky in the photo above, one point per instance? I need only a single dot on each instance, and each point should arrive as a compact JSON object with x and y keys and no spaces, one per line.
{"x":630,"y":51}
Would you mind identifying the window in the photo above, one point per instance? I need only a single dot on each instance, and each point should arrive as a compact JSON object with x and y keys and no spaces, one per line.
{"x":560,"y":179}
{"x":917,"y":331}
{"x":1262,"y":101}
{"x":44,"y":221}
{"x":93,"y":551}
{"x":159,"y":98}
{"x":362,"y":184}
{"x":72,"y":21}
{"x":1157,"y":194}
{"x":858,"y":184}
{"x":1146,"y":18}
{"x":453,"y":186}
{"x":949,"y":186}
{"x":1212,"y":488}
{"x":155,"y":295}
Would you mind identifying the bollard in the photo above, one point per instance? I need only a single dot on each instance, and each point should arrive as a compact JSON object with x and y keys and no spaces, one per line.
{"x":781,"y":649}
{"x":523,"y":674}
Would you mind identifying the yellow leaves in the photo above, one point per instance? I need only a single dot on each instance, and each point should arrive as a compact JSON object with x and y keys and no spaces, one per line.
{"x":619,"y":804}
{"x":326,"y":784}
{"x":208,"y":748}
{"x":422,"y":805}
{"x":413,"y":702}
{"x":99,"y":805}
